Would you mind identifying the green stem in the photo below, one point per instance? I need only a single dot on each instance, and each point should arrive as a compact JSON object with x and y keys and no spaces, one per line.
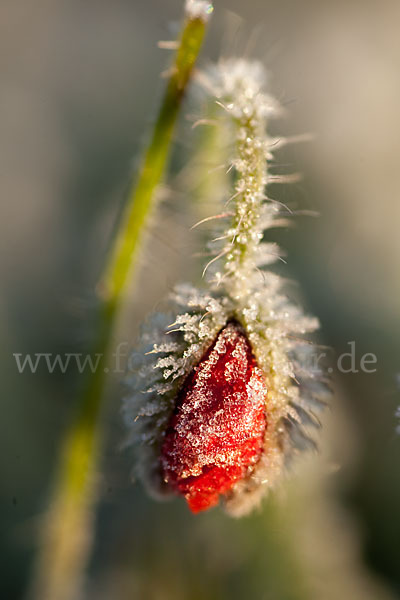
{"x":155,"y":159}
{"x":67,"y":531}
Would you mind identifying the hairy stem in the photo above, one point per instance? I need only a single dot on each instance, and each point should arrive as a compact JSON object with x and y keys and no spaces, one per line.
{"x":251,"y":168}
{"x":68,"y":526}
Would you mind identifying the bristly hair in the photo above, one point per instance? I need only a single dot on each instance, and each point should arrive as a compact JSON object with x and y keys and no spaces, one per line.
{"x":236,"y":286}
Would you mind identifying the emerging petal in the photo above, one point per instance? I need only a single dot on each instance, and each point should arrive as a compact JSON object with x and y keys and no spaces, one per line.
{"x":216,"y":434}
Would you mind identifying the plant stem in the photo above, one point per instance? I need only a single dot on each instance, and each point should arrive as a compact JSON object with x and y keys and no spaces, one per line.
{"x":68,"y":526}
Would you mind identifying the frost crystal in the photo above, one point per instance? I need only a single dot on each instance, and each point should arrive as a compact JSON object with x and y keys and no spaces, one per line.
{"x":192,"y":386}
{"x":198,"y":9}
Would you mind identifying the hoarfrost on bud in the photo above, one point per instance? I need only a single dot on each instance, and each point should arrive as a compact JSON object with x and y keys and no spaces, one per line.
{"x":237,"y":289}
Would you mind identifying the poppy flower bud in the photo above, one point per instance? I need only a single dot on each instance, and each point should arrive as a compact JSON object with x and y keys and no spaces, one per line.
{"x":231,"y":392}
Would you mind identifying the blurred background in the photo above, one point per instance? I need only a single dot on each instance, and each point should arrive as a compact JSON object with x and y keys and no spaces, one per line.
{"x":80,"y":87}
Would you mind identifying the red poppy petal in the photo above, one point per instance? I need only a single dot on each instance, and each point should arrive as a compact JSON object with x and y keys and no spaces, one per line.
{"x":216,"y":433}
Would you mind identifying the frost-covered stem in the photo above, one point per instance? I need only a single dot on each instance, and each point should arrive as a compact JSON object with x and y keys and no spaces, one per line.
{"x":251,"y":167}
{"x":239,"y":89}
{"x":67,"y":532}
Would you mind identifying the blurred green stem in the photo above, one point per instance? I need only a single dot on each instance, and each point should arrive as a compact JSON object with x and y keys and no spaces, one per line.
{"x":67,"y":530}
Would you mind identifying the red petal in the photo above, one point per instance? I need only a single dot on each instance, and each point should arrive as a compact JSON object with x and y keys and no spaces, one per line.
{"x":216,"y":433}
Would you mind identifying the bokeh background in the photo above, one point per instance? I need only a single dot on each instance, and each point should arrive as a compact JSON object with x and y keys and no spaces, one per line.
{"x":79,"y":89}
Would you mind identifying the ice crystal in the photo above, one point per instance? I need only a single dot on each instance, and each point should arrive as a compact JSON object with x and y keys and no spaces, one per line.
{"x":237,"y":289}
{"x":198,"y":9}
